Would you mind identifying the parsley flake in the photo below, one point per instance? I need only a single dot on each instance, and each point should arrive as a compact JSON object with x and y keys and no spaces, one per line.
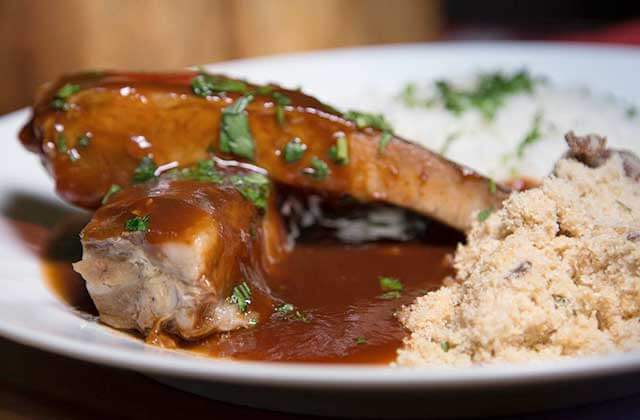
{"x":281,"y":101}
{"x":206,"y":85}
{"x":59,"y":102}
{"x":360,"y":340}
{"x":137,"y":224}
{"x":318,"y":169}
{"x":285,"y":308}
{"x":145,"y":171}
{"x":487,"y":96}
{"x":241,"y":296}
{"x":84,"y":140}
{"x":448,"y":141}
{"x":444,"y":345}
{"x":390,"y":284}
{"x":287,"y":311}
{"x":339,"y":152}
{"x":484,"y":214}
{"x":365,"y":119}
{"x":203,"y":171}
{"x":113,"y":189}
{"x":235,"y":135}
{"x":294,"y":150}
{"x":61,"y":143}
{"x":493,"y":188}
{"x":385,"y":139}
{"x":253,"y":187}
{"x":533,"y":135}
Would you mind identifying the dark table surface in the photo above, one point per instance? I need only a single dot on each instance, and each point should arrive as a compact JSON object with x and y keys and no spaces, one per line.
{"x":39,"y":385}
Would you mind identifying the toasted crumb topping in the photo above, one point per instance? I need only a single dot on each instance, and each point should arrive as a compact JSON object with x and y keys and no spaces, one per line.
{"x":554,"y":273}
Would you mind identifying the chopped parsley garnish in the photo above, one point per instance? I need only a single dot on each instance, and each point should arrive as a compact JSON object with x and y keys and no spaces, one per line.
{"x":264,"y":90}
{"x":385,"y":139}
{"x":253,"y":187}
{"x":294,"y":150}
{"x":241,"y":296}
{"x":84,"y":140}
{"x":204,"y":171}
{"x":318,"y":169}
{"x":448,"y":141}
{"x":285,"y":308}
{"x":235,"y":135}
{"x":493,"y":188}
{"x":484,"y":214}
{"x":390,"y":284}
{"x":391,"y":287}
{"x":365,"y":119}
{"x":444,"y":345}
{"x":377,"y":121}
{"x":360,"y":340}
{"x":487,"y":95}
{"x":59,"y":101}
{"x":281,"y":101}
{"x":113,"y":189}
{"x":145,"y":171}
{"x":207,"y":85}
{"x":534,"y":134}
{"x":409,"y":95}
{"x":339,"y":152}
{"x":287,"y":311}
{"x":137,"y":224}
{"x":61,"y":143}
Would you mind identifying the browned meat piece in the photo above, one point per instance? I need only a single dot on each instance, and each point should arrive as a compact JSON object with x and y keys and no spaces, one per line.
{"x":94,"y":130}
{"x":167,"y":255}
{"x":591,"y":149}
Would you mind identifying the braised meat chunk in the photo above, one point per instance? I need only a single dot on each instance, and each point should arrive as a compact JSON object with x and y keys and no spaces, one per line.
{"x":182,"y":253}
{"x":102,"y":129}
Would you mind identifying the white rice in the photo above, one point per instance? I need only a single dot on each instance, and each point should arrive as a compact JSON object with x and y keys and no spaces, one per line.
{"x":490,"y":146}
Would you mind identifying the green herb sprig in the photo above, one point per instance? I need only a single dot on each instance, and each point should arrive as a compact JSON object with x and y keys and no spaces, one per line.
{"x":145,"y":170}
{"x":235,"y":135}
{"x":206,"y":85}
{"x":137,"y":224}
{"x":318,"y":169}
{"x":60,"y":100}
{"x":339,"y":152}
{"x":391,"y":287}
{"x":253,"y":187}
{"x":241,"y":296}
{"x":113,"y":190}
{"x":294,"y":150}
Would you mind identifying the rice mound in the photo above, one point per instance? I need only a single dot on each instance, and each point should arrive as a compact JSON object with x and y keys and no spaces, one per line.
{"x":554,"y":273}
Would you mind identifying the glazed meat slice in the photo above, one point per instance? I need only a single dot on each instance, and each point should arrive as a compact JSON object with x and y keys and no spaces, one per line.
{"x":169,"y":255}
{"x":95,"y":130}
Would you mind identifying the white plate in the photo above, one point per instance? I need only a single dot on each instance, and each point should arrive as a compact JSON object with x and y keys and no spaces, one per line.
{"x":30,"y":314}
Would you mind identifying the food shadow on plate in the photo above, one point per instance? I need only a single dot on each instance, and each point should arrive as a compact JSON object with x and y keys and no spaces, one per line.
{"x":50,"y":230}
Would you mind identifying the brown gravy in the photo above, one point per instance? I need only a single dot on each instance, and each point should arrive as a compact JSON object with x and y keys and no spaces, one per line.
{"x":335,"y":286}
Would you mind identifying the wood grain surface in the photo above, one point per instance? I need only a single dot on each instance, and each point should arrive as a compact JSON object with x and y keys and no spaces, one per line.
{"x":41,"y":39}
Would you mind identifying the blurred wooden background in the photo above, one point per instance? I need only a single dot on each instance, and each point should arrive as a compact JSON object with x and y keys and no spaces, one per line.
{"x":40,"y":39}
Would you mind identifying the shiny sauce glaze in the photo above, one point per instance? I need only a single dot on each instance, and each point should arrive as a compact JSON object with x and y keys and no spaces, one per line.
{"x":340,"y":315}
{"x":110,"y":122}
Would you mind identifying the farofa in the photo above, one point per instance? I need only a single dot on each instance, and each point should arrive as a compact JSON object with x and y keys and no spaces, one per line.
{"x":554,"y":273}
